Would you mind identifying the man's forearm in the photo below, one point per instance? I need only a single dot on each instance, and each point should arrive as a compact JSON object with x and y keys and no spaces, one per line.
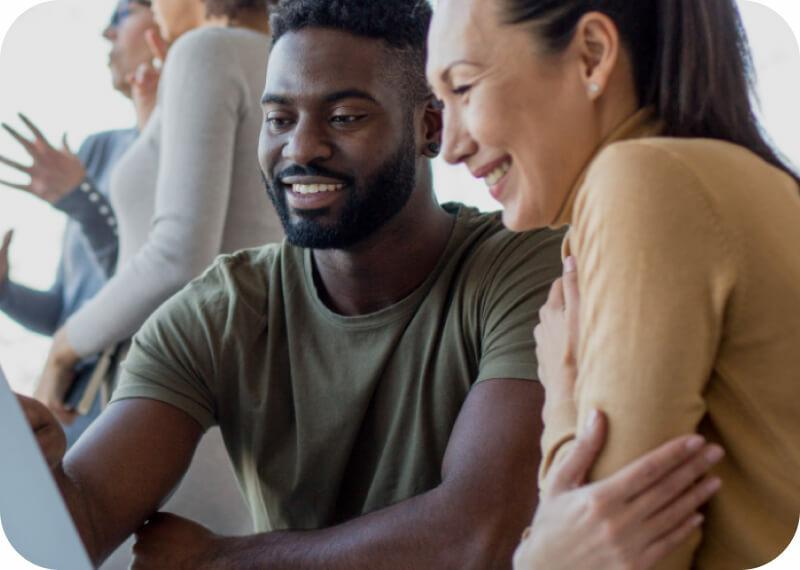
{"x":437,"y":530}
{"x":81,"y":512}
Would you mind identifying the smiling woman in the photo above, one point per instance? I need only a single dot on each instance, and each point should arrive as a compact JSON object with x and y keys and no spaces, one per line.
{"x":633,"y":124}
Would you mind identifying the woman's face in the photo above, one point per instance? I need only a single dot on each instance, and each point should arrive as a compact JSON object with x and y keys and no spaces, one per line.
{"x":176,"y":17}
{"x":515,"y":115}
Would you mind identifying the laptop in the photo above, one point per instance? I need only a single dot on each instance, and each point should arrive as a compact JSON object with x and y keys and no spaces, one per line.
{"x":34,"y":516}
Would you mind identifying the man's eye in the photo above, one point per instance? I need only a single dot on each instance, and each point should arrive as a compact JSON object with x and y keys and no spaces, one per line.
{"x":346,"y":119}
{"x":278,"y":122}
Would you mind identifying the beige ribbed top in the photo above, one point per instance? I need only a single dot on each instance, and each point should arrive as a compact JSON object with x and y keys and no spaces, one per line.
{"x":688,"y":252}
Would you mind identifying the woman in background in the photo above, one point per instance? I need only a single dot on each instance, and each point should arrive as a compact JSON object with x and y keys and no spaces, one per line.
{"x":632,"y":122}
{"x":187,"y":190}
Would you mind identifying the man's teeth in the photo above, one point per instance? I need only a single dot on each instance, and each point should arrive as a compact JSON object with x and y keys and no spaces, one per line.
{"x":315,"y":188}
{"x":497,"y":174}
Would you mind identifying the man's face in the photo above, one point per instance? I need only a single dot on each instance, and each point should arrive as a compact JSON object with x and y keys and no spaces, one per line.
{"x":337,"y":147}
{"x":126,"y":32}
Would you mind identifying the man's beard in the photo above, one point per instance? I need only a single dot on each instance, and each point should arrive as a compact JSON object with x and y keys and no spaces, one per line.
{"x":366,"y":208}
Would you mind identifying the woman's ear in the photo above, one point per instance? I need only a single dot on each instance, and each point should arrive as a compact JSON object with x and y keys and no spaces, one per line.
{"x":598,"y":43}
{"x":432,"y":125}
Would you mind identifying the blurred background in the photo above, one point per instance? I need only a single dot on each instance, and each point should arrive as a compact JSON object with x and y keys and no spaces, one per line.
{"x":53,"y":68}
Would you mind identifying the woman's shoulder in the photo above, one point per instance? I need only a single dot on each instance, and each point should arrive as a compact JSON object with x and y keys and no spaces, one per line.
{"x":209,"y":46}
{"x":666,"y":168}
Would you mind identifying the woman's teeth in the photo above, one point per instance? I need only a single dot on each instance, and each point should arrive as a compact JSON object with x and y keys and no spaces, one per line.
{"x":497,"y":174}
{"x":315,"y":188}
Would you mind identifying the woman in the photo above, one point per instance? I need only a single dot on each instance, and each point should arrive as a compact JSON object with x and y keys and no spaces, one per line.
{"x":187,"y":189}
{"x":632,"y":122}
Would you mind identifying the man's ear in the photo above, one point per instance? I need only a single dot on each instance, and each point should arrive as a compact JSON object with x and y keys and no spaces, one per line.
{"x":432,"y":125}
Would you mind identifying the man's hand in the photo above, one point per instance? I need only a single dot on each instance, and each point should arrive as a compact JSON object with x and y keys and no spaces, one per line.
{"x":57,"y":377}
{"x":54,"y":173}
{"x":630,"y":520}
{"x":557,"y":337}
{"x":4,"y":255}
{"x":169,"y":541}
{"x":47,"y":430}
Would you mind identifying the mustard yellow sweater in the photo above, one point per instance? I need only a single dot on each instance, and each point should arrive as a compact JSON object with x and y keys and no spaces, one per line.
{"x":688,"y":252}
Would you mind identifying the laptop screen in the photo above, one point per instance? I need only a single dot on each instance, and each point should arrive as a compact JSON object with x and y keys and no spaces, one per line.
{"x":33,"y":514}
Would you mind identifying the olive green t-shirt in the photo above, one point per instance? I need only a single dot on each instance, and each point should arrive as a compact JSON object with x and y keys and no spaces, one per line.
{"x":328,"y":417}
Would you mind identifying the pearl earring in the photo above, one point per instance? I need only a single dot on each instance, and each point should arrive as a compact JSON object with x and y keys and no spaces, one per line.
{"x":594,"y":89}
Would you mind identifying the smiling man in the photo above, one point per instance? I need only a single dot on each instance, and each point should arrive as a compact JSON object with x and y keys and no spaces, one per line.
{"x":373,"y":376}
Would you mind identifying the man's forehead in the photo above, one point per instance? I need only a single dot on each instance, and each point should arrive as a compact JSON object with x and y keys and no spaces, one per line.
{"x":318,"y":61}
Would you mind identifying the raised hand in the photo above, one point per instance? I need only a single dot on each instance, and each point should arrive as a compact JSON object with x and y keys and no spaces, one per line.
{"x":4,"y":255}
{"x":54,"y":172}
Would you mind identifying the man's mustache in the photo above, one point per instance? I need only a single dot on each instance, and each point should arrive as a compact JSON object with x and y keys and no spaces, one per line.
{"x":311,"y":170}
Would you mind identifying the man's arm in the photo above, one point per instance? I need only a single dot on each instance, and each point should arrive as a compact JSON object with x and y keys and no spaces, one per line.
{"x":121,"y":470}
{"x":473,"y":519}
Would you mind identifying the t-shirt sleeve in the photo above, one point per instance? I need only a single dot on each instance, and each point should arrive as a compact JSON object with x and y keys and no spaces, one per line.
{"x":175,"y":357}
{"x":518,"y":278}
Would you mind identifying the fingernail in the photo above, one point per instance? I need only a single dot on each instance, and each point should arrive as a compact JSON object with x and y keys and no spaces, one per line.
{"x":714,"y":454}
{"x":713,"y":485}
{"x":695,"y":442}
{"x":697,"y":520}
{"x":591,"y":421}
{"x":570,"y":265}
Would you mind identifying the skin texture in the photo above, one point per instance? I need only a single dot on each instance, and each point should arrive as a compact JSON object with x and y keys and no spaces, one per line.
{"x":507,"y":98}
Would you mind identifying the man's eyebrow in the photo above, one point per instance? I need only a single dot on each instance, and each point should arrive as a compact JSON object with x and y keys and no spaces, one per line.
{"x":271,"y":98}
{"x":349,"y":94}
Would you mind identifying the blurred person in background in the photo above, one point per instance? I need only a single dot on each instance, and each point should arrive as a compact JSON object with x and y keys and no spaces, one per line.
{"x":78,"y":185}
{"x":186,"y":191}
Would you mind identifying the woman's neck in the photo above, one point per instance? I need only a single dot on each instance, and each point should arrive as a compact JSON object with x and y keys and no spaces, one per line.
{"x":250,"y":19}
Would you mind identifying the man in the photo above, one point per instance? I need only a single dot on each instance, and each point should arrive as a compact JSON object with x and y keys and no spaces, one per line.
{"x":373,"y":376}
{"x":78,"y":185}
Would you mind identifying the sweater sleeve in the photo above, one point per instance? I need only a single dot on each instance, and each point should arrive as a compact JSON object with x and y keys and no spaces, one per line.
{"x":203,"y":93}
{"x":656,"y":271}
{"x":92,"y":210}
{"x":38,"y":311}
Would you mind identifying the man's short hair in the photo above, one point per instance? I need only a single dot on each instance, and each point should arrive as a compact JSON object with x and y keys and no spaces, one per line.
{"x":401,"y":24}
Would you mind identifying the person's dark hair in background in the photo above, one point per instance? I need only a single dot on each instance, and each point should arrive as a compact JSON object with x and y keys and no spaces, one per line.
{"x":691,"y":62}
{"x":404,"y":30}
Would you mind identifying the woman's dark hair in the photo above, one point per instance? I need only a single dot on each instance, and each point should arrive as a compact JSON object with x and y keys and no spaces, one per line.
{"x":231,"y":8}
{"x":691,"y":61}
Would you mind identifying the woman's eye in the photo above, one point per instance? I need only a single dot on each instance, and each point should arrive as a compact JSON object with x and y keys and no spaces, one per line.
{"x":462,"y":90}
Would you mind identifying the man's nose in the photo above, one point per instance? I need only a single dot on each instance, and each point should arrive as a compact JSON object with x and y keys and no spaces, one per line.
{"x":308,"y":142}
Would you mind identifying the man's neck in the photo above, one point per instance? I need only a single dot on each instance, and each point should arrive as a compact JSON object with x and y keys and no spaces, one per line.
{"x":388,"y":266}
